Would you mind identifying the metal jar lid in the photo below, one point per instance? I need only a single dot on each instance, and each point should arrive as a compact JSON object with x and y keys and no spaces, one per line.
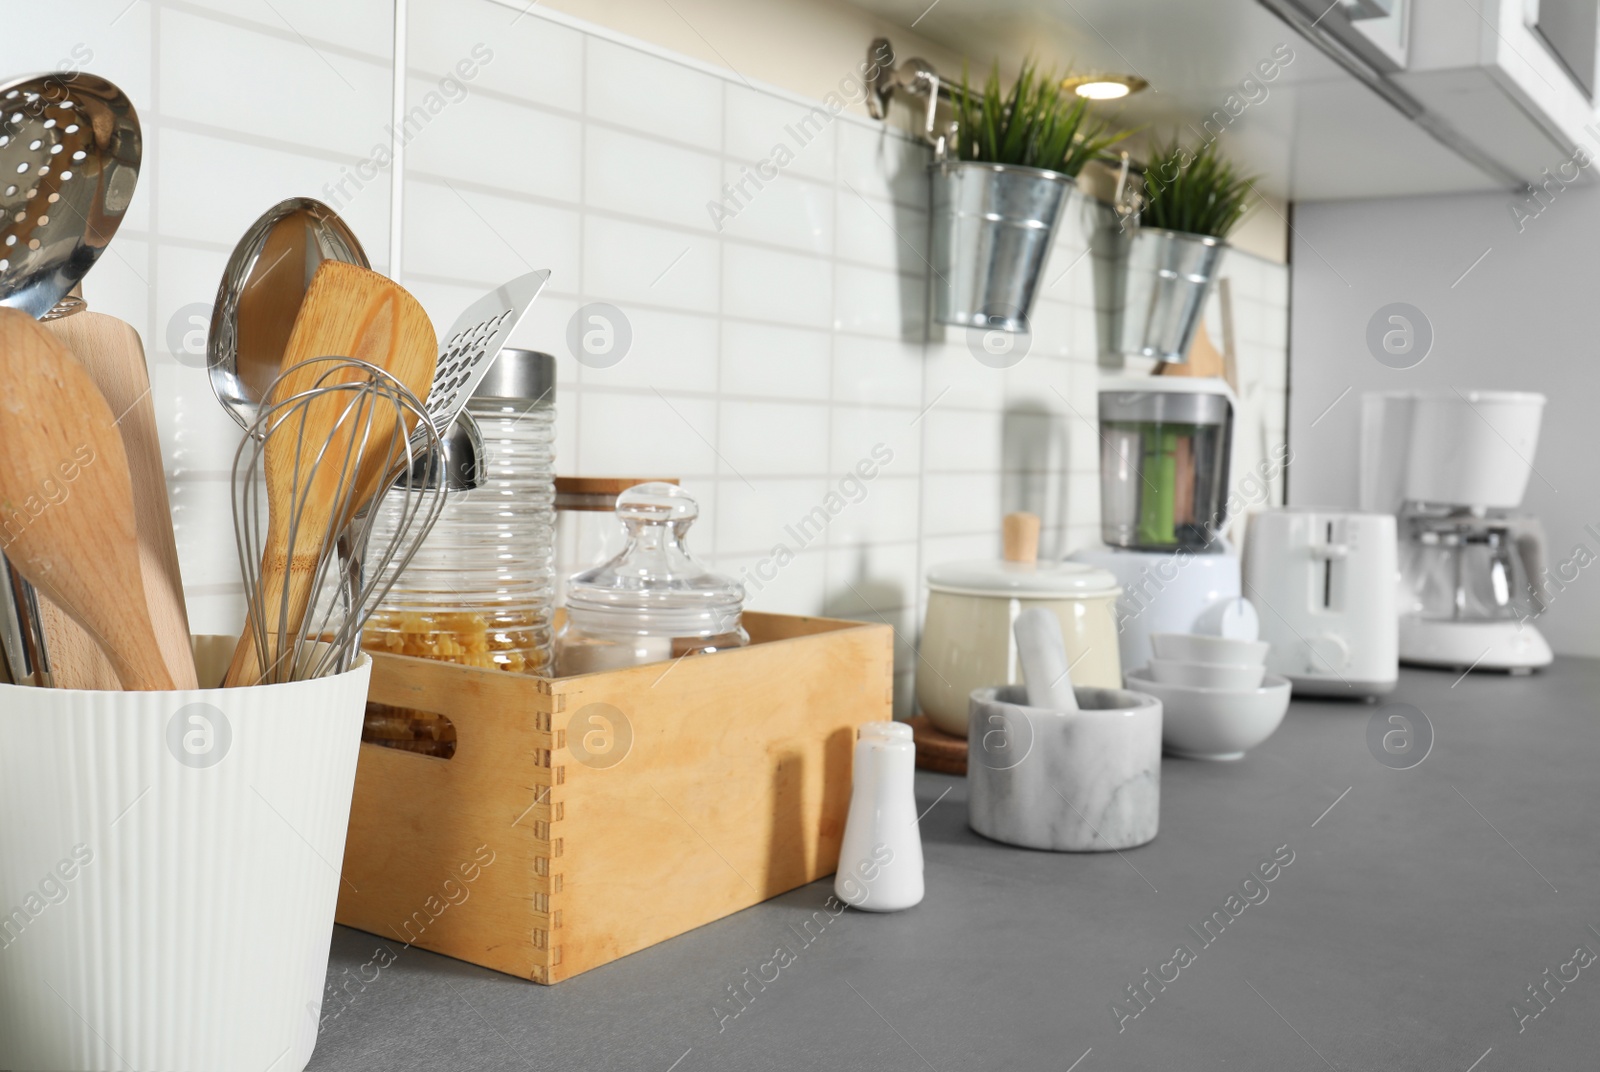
{"x":520,"y":376}
{"x":1166,"y":399}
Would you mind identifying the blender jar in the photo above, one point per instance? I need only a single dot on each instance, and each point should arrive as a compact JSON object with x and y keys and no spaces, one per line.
{"x":653,"y":601}
{"x":1164,"y":463}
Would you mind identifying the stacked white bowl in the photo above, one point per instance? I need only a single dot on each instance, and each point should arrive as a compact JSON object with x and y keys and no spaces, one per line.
{"x":1218,"y":700}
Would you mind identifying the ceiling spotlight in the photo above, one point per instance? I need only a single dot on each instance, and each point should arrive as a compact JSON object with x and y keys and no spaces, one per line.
{"x":1104,"y":86}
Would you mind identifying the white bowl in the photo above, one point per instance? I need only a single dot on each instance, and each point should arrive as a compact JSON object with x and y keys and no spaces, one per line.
{"x":1199,"y":648}
{"x":1215,"y":723}
{"x":1228,"y":676}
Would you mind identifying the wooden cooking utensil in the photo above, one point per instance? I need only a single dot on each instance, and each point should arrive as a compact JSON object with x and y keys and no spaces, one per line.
{"x":66,"y":499}
{"x":347,"y":312}
{"x":110,"y":350}
{"x":76,"y":661}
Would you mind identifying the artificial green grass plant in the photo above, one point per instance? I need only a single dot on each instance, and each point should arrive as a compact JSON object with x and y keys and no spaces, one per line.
{"x":1038,"y":124}
{"x":1195,"y":191}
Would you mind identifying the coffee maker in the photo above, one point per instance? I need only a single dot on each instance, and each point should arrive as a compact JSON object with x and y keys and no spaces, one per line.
{"x":1165,"y":447}
{"x":1452,"y":466}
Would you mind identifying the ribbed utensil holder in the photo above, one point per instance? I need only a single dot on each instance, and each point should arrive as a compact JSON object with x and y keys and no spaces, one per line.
{"x":169,"y":867}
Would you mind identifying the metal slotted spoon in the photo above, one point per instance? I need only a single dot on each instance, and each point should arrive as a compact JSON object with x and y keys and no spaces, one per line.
{"x":70,"y":149}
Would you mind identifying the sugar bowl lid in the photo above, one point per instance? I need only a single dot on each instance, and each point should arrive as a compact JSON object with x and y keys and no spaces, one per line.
{"x":1022,"y":580}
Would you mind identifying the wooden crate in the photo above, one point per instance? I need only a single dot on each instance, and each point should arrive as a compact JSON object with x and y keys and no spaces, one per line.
{"x":542,"y":850}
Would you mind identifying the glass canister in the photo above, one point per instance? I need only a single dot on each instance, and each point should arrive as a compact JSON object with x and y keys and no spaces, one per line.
{"x":480,"y":591}
{"x":588,"y":533}
{"x":653,"y":601}
{"x":1164,"y":446}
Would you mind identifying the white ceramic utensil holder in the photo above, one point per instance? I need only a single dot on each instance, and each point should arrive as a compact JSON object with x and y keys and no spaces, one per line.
{"x":1083,"y":781}
{"x":169,"y":865}
{"x":880,"y":858}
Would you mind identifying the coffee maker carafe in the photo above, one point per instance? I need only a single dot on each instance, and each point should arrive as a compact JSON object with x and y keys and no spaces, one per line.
{"x":1453,"y":466}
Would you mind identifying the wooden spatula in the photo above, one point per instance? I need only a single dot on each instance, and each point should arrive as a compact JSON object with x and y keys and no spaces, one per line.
{"x":110,"y":350}
{"x":66,"y":499}
{"x":347,"y":312}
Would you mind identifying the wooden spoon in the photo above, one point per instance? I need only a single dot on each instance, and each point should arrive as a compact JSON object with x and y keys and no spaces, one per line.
{"x":349,"y":312}
{"x":66,"y":499}
{"x":110,"y":350}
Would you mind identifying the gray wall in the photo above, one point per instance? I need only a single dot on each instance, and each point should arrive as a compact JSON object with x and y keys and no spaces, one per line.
{"x":1527,"y":317}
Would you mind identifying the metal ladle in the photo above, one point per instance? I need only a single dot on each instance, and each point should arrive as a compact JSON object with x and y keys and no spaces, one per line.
{"x":260,"y":292}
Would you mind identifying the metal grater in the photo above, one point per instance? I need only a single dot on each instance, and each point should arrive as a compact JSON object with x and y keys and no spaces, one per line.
{"x":475,"y":340}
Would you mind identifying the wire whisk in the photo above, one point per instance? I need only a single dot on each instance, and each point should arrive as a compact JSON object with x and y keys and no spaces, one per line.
{"x":306,"y":481}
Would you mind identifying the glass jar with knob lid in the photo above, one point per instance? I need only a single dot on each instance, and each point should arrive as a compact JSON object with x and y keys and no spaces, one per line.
{"x":653,"y":601}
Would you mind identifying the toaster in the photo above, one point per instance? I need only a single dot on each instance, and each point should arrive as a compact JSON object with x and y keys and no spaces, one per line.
{"x":1324,"y":584}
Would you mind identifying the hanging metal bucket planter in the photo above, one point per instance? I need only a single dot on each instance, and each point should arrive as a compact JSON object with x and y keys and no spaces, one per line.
{"x":1154,"y":286}
{"x":993,"y":226}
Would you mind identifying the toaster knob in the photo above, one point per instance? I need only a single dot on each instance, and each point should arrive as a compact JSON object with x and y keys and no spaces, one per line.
{"x":1329,"y":653}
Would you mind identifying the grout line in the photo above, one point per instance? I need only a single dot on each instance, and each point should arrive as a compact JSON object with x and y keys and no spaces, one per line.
{"x":397,"y":144}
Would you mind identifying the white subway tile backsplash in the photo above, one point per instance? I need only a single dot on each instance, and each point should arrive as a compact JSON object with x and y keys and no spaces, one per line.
{"x":774,"y":438}
{"x":494,"y":48}
{"x":764,"y":284}
{"x":210,"y":189}
{"x":106,"y":37}
{"x":363,"y":25}
{"x":869,"y":301}
{"x":956,"y":378}
{"x":784,"y":211}
{"x":656,"y":433}
{"x":482,"y":140}
{"x":650,"y":178}
{"x":754,"y":516}
{"x":122,"y":283}
{"x":632,"y":262}
{"x":1041,"y":382}
{"x":877,"y":371}
{"x":796,"y":586}
{"x":761,"y":126}
{"x":886,"y":512}
{"x":776,"y":362}
{"x":881,"y":234}
{"x":875,"y":582}
{"x":962,"y":441}
{"x":882,"y":164}
{"x":781,"y":365}
{"x":185,"y":284}
{"x":669,"y":351}
{"x":893,"y":437}
{"x":332,"y":102}
{"x":466,"y":234}
{"x":634,"y":89}
{"x":1050,"y":329}
{"x":965,"y":504}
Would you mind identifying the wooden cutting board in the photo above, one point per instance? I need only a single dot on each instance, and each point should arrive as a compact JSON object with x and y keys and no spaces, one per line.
{"x":111,"y":351}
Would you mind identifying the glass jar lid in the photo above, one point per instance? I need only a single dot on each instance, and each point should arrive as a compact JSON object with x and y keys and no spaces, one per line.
{"x":654,"y":587}
{"x":1023,"y":580}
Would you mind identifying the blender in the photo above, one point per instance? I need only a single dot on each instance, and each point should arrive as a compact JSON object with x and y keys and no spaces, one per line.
{"x":1452,"y":466}
{"x":1165,"y":447}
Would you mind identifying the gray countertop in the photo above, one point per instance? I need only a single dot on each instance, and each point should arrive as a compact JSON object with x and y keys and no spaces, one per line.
{"x":1419,"y":907}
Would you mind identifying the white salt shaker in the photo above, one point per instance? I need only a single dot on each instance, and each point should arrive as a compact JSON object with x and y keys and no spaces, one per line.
{"x":880,"y":860}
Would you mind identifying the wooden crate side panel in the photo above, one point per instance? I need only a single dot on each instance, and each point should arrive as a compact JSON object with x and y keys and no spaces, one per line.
{"x":454,"y":855}
{"x":734,"y":790}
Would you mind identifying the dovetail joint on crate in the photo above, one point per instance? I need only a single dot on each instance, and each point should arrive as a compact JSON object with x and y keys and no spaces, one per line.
{"x":549,"y":847}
